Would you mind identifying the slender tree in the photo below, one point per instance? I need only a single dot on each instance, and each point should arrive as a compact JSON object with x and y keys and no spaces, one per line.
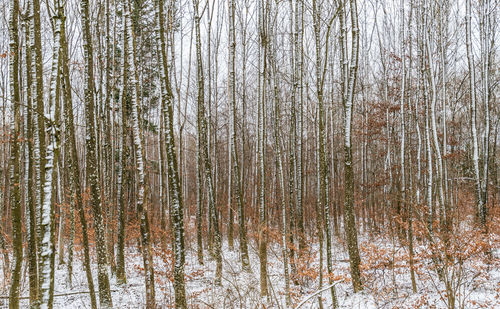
{"x":202,"y":131}
{"x":263,"y":14}
{"x":139,"y":161}
{"x":74,"y":162}
{"x":486,"y":39}
{"x":91,"y":159}
{"x":15,"y":155}
{"x":323,"y":171}
{"x":279,"y":167}
{"x":39,"y":123}
{"x":47,"y":216}
{"x":122,"y":165}
{"x":234,"y":142}
{"x":175,"y":192}
{"x":432,"y":91}
{"x":349,"y":75}
{"x":30,"y":209}
{"x":473,"y":105}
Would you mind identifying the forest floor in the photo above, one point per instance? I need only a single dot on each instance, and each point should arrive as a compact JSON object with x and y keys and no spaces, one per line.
{"x":385,"y":269}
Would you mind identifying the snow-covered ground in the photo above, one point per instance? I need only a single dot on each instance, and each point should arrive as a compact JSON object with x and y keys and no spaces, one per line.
{"x":385,"y":271}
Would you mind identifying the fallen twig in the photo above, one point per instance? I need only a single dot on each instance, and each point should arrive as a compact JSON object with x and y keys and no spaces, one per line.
{"x":316,"y":293}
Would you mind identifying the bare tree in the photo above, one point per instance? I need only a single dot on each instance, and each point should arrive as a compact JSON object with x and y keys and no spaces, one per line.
{"x":207,"y":163}
{"x":47,"y":216}
{"x":139,"y":158}
{"x":91,"y":160}
{"x":349,"y":74}
{"x":263,"y":19}
{"x":234,"y":144}
{"x":173,"y":175}
{"x":473,"y":107}
{"x":15,"y":156}
{"x":74,"y":163}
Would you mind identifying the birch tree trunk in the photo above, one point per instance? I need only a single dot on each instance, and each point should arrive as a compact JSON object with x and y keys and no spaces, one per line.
{"x":426,"y":134}
{"x":39,"y":130}
{"x":486,"y":38}
{"x":74,"y":163}
{"x":292,"y":141}
{"x":405,"y":115}
{"x":234,"y":151}
{"x":121,"y":276}
{"x":433,"y":124}
{"x":91,"y":158}
{"x":173,"y":175}
{"x":263,"y":11}
{"x":199,"y":188}
{"x":15,"y":155}
{"x":473,"y":108}
{"x":348,"y":84}
{"x":323,"y":174}
{"x":139,"y":161}
{"x":202,"y":130}
{"x":280,"y":171}
{"x":299,"y":73}
{"x":109,"y":150}
{"x":31,"y":214}
{"x":56,"y":197}
{"x":47,"y":217}
{"x":199,"y":200}
{"x":402,"y":104}
{"x":443,"y":35}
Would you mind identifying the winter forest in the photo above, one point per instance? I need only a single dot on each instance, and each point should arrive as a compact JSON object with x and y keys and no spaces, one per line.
{"x":249,"y":154}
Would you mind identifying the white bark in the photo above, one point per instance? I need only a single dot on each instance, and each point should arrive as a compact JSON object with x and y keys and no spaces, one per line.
{"x":473,"y":107}
{"x":402,"y":100}
{"x":433,"y":124}
{"x":51,"y":154}
{"x":485,"y":38}
{"x":139,"y":158}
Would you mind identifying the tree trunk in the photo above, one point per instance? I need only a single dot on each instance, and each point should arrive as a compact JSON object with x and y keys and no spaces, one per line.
{"x":263,"y":11}
{"x":473,"y":110}
{"x":48,"y":200}
{"x":74,"y":163}
{"x":30,"y":209}
{"x":92,"y":171}
{"x":139,"y":161}
{"x":234,"y":151}
{"x":15,"y":155}
{"x":348,"y":85}
{"x":173,"y":175}
{"x":202,"y":131}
